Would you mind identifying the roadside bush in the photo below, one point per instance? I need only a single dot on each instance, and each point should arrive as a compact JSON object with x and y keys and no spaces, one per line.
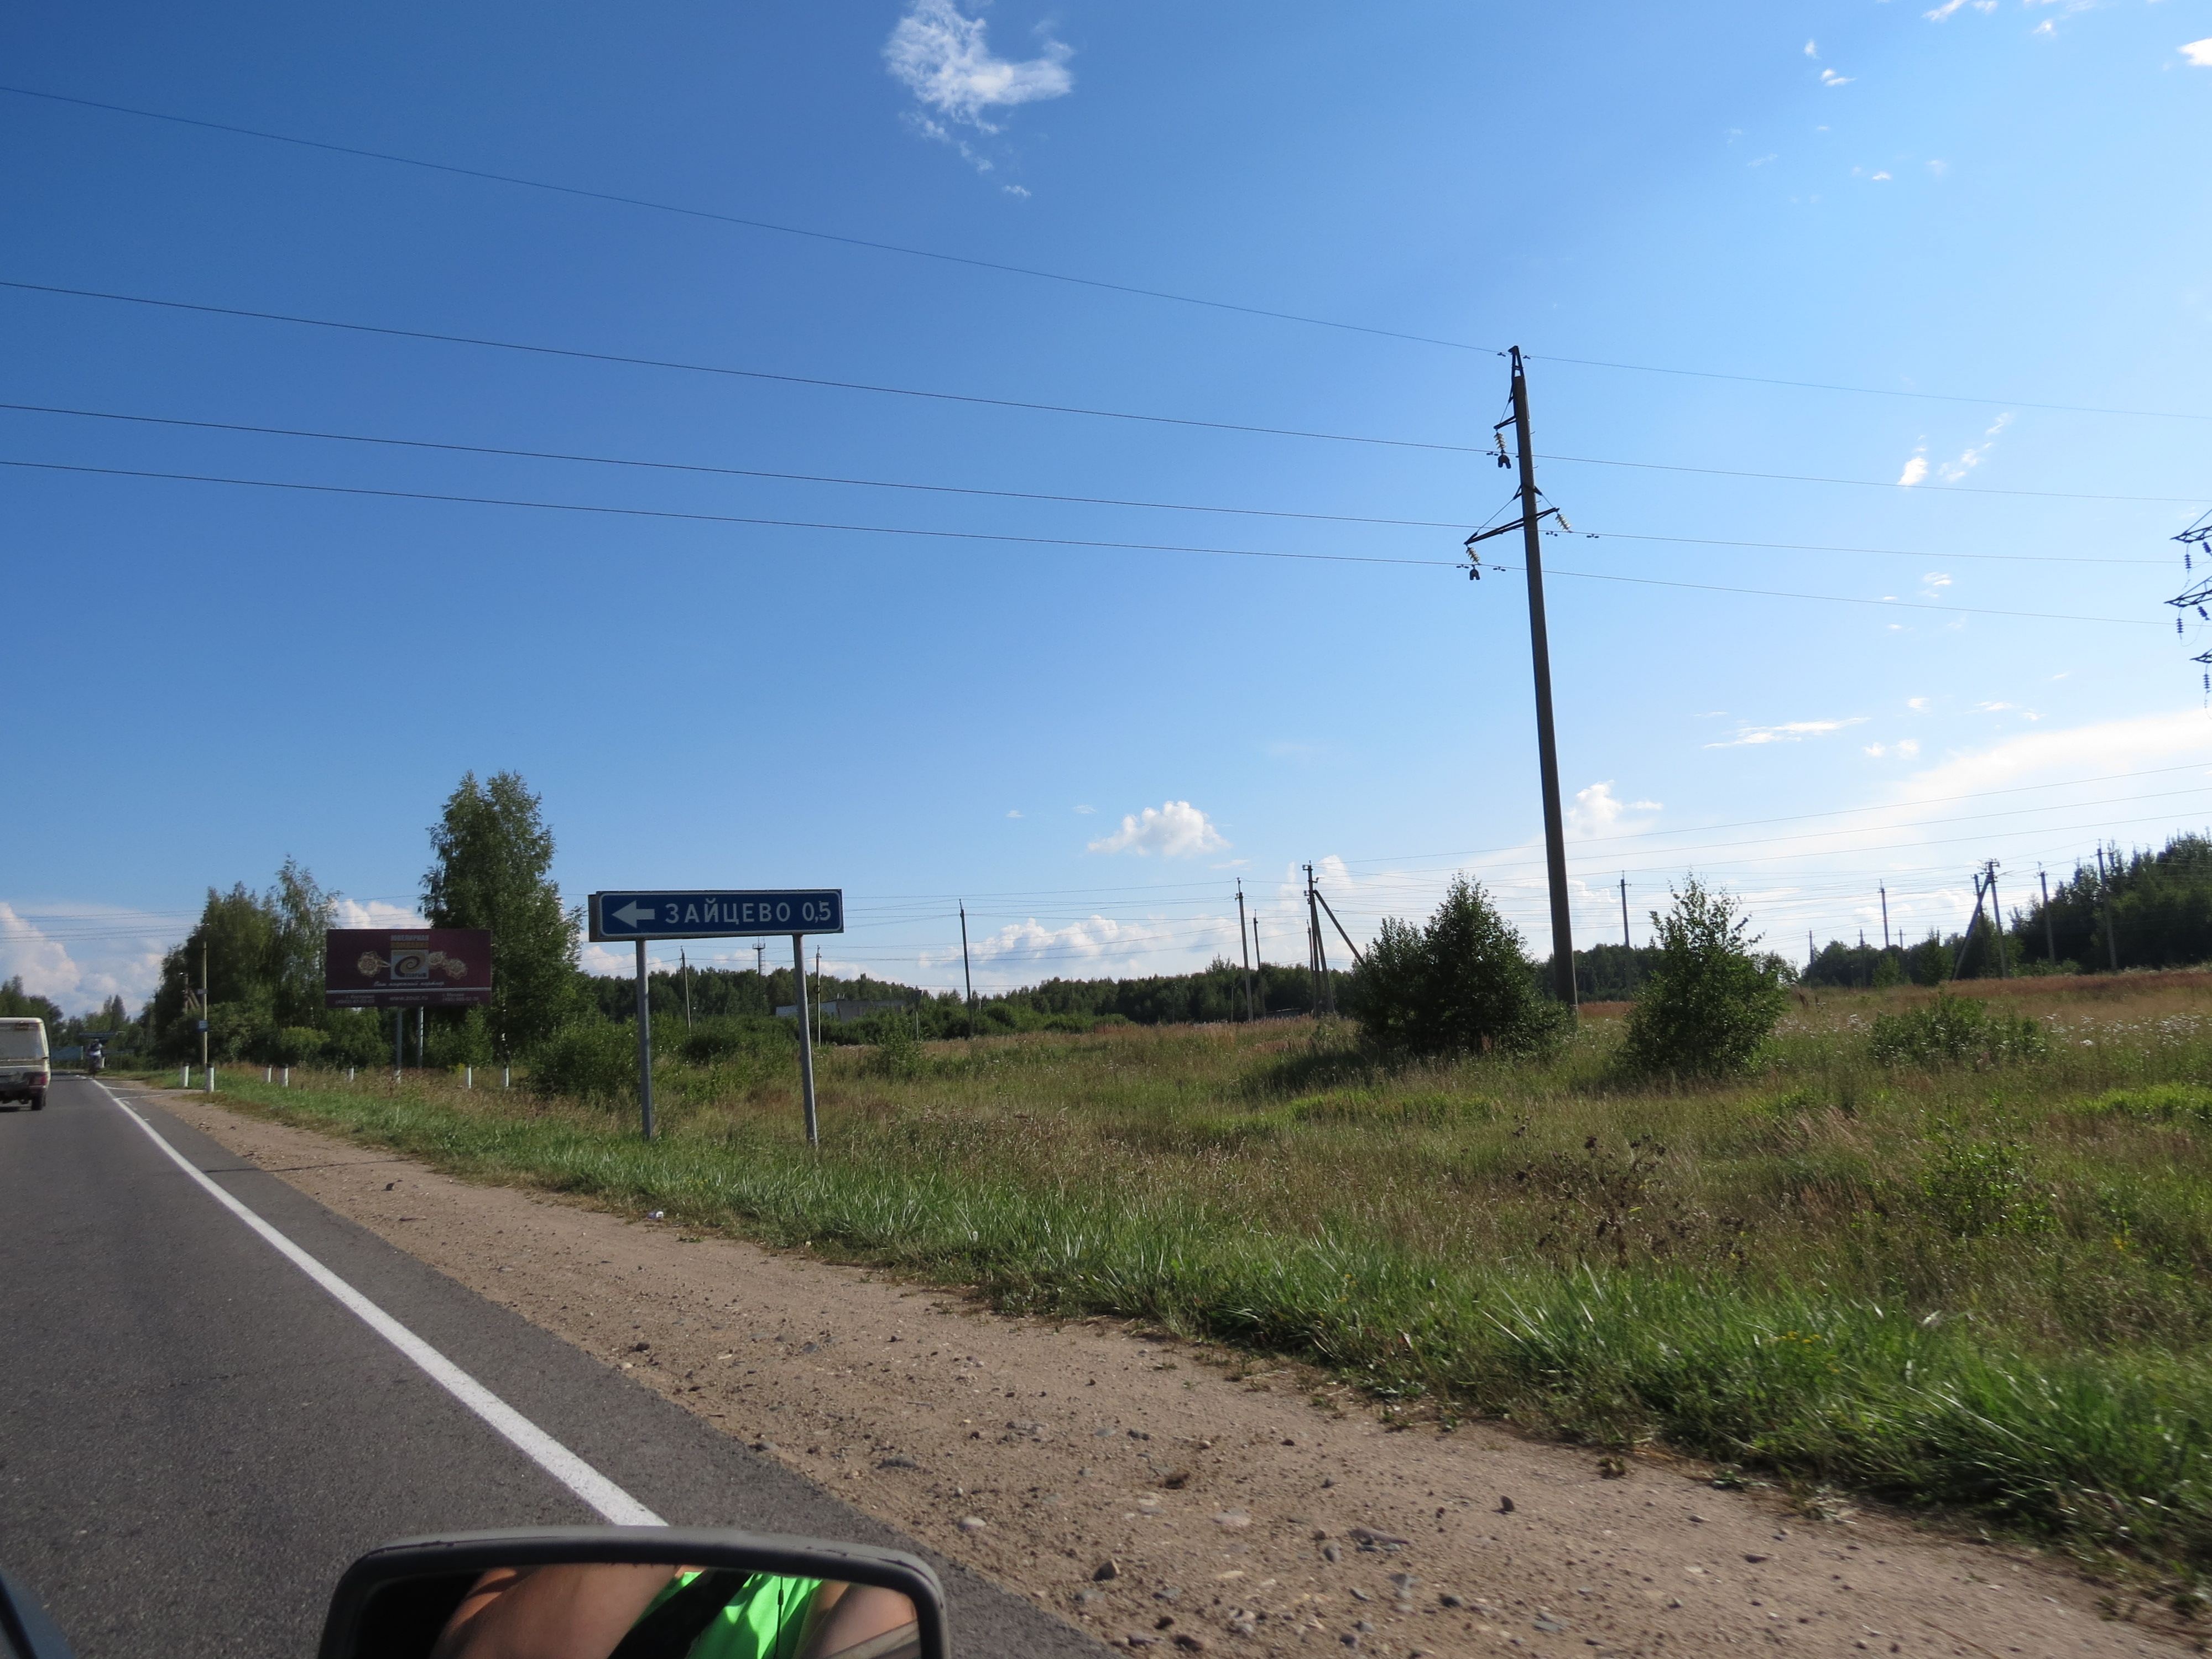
{"x":290,"y":1045}
{"x":1709,"y":1003}
{"x":593,"y":1060}
{"x":715,"y":1042}
{"x":356,"y":1036}
{"x":898,"y":1053}
{"x":1463,"y":984}
{"x":1955,"y":1031}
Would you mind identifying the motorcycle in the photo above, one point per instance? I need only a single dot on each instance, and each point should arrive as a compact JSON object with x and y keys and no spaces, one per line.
{"x":603,"y":1592}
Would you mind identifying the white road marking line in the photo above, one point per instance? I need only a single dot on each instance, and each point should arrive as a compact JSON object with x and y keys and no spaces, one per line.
{"x":532,"y":1442}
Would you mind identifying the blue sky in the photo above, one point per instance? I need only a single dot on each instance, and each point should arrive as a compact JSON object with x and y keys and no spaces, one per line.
{"x":1987,"y":222}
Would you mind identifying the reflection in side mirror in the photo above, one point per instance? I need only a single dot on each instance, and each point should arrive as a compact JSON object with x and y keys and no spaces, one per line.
{"x":635,"y":1592}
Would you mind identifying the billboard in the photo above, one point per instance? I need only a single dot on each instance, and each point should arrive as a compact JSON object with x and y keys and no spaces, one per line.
{"x":406,"y":968}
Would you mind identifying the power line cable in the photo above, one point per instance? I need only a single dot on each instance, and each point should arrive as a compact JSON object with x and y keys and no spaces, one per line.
{"x":1001,"y":495}
{"x":1027,"y":407}
{"x":710,"y":214}
{"x":1032,"y":541}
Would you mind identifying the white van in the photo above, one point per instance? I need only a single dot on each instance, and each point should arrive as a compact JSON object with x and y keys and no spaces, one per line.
{"x":23,"y":1070}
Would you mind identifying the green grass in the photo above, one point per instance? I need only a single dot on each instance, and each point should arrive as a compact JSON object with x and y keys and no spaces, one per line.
{"x":1980,"y":1290}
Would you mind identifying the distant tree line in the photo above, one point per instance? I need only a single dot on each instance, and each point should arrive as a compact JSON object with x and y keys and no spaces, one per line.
{"x":2145,"y":910}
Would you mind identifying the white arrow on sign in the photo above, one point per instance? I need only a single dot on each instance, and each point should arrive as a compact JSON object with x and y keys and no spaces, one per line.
{"x":634,"y":913}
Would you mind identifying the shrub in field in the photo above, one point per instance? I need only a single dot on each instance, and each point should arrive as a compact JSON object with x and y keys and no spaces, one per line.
{"x":1978,"y":1185}
{"x":1955,"y":1031}
{"x":1709,"y":1003}
{"x":2186,"y":1103}
{"x":715,"y":1041}
{"x":593,"y":1060}
{"x":356,"y":1036}
{"x":1463,"y":984}
{"x":899,"y":1052}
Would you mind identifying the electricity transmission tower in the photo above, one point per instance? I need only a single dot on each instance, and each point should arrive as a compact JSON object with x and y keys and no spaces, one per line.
{"x":2195,"y":539}
{"x":1530,"y":524}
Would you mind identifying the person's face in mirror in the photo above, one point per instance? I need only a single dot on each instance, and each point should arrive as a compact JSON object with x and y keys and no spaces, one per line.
{"x":602,"y":1611}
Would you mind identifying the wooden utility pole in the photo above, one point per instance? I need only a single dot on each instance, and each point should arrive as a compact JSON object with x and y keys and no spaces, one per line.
{"x":207,"y":1002}
{"x":1539,"y":649}
{"x":1245,"y":947}
{"x":1315,"y":959}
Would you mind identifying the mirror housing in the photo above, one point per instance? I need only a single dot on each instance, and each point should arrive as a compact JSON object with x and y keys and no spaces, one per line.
{"x":393,"y":1601}
{"x":26,"y":1631}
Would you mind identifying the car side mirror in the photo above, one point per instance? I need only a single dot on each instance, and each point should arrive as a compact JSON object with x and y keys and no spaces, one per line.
{"x":26,"y":1631}
{"x":633,"y":1593}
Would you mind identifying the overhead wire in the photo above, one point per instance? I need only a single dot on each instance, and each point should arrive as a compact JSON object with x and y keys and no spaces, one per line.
{"x":1035,"y":541}
{"x":709,"y":470}
{"x":1036,"y":273}
{"x":1027,"y":406}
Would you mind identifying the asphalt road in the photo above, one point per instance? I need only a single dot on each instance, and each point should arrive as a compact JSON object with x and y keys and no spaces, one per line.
{"x":195,"y":1437}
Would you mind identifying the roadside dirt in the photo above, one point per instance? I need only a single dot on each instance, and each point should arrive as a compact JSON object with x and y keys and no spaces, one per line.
{"x":1160,"y":1497}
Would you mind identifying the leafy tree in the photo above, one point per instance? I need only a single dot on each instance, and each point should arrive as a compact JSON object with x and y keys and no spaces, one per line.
{"x":1711,"y":1003}
{"x":494,"y":859}
{"x":301,"y":913}
{"x":1462,"y":984}
{"x":18,"y":1004}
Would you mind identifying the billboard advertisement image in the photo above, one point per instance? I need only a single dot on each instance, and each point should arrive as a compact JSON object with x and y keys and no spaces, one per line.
{"x":406,"y":968}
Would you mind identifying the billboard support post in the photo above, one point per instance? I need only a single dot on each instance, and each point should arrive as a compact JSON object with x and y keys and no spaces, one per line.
{"x":805,"y":1037}
{"x":644,"y":1043}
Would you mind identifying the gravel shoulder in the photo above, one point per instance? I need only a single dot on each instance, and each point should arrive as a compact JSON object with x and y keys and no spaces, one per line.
{"x":1160,"y":1495}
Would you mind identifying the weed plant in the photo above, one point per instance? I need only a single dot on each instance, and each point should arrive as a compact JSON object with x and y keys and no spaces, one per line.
{"x":1987,"y":1289}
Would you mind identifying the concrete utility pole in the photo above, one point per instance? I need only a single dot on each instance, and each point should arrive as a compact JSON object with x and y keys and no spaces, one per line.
{"x":684,"y":957}
{"x":1996,"y":921}
{"x":207,"y":1002}
{"x":760,"y":957}
{"x":1244,"y":946}
{"x":967,"y":977}
{"x":1627,"y":942}
{"x":2104,"y":894}
{"x":1885,"y":915}
{"x":2050,"y":938}
{"x":1317,"y":961}
{"x":1540,"y":652}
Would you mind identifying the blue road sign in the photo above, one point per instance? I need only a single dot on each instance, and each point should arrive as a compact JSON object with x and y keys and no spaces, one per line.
{"x":624,"y":916}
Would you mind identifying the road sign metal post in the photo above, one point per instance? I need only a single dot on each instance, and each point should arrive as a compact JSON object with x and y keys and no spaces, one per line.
{"x":644,"y":1044}
{"x":640,"y":916}
{"x":805,"y":1037}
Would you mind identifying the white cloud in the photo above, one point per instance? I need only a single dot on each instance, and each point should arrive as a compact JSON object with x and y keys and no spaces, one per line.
{"x":1971,"y":457}
{"x":1903,"y":749}
{"x":1012,"y":814}
{"x":1788,"y":732}
{"x":1015,"y":189}
{"x":1830,"y":78}
{"x":1934,"y":583}
{"x":943,"y":58}
{"x":1939,"y":168}
{"x":125,"y":961}
{"x":1086,"y":810}
{"x":1915,"y":469}
{"x":1597,"y":810}
{"x":2199,"y":52}
{"x":1812,"y":49}
{"x":1178,"y":829}
{"x":1915,"y":704}
{"x":374,"y":914}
